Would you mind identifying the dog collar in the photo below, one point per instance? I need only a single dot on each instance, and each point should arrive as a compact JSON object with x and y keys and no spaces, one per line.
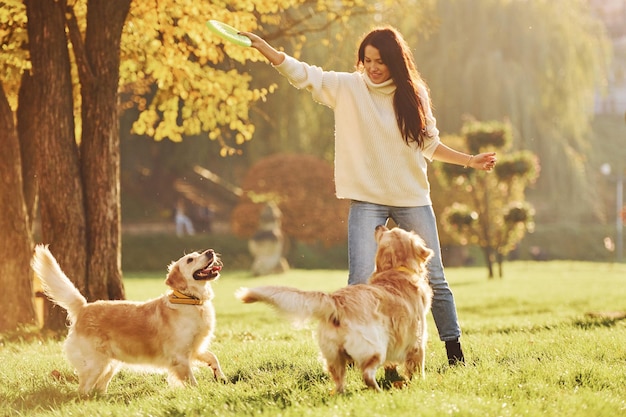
{"x":178,"y":297}
{"x":405,"y":269}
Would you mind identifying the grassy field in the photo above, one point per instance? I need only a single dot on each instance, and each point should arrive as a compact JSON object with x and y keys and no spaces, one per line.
{"x":532,"y":349}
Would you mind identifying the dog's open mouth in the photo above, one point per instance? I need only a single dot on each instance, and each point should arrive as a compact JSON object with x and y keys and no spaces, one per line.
{"x":210,"y":271}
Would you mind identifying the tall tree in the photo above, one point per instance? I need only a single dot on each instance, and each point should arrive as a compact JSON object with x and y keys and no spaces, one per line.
{"x":57,"y":168}
{"x":98,"y":68}
{"x":16,"y":240}
{"x":77,"y":188}
{"x":536,"y":63}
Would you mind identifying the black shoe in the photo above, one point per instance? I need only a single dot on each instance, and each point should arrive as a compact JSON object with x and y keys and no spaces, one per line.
{"x":455,"y":353}
{"x":393,"y":378}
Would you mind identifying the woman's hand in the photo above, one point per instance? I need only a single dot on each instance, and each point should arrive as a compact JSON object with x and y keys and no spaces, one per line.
{"x":256,"y":40}
{"x":265,"y":48}
{"x":483,"y":161}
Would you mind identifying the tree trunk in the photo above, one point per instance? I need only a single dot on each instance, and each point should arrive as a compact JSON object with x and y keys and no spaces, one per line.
{"x":28,"y":132}
{"x":100,"y":145}
{"x":487,"y":251}
{"x":60,"y":187}
{"x":16,"y":302}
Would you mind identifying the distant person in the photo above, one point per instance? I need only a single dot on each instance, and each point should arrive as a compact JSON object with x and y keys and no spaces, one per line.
{"x":206,"y":215}
{"x":183,"y":222}
{"x":384,"y":133}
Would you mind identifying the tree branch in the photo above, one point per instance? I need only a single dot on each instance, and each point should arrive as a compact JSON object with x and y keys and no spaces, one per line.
{"x":85,"y":72}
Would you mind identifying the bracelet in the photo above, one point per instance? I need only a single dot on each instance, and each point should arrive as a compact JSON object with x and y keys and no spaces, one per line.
{"x":469,"y":161}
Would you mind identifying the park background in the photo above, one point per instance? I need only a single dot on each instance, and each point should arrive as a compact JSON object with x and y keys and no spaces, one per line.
{"x":106,"y":126}
{"x":168,"y":114}
{"x":485,"y":60}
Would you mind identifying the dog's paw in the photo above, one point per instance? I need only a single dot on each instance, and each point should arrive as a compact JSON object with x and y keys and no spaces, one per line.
{"x":399,"y":384}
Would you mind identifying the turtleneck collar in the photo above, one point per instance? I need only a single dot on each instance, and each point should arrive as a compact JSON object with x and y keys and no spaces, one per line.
{"x":386,"y":87}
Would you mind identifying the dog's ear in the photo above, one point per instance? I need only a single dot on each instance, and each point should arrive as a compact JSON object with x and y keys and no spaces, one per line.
{"x":421,"y":251}
{"x":426,"y":254}
{"x":175,"y":278}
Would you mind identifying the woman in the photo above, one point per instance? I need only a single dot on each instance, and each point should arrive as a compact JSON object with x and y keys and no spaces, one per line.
{"x":384,"y":132}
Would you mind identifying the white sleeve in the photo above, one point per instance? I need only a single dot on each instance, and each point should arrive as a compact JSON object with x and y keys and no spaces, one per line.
{"x":322,"y":84}
{"x":431,"y":139}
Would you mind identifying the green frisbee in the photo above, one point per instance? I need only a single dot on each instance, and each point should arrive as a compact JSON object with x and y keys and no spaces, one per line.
{"x":228,"y":33}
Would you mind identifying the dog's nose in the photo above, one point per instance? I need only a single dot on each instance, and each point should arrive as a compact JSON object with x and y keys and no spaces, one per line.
{"x":209,"y":253}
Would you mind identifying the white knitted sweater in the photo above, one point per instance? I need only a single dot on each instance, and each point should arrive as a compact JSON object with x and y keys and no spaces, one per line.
{"x":372,"y":161}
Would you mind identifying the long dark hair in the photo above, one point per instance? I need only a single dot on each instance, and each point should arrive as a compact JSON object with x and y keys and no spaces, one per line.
{"x":397,"y":56}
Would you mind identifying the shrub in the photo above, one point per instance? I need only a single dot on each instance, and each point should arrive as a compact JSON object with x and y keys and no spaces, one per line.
{"x":154,"y":252}
{"x":303,"y":188}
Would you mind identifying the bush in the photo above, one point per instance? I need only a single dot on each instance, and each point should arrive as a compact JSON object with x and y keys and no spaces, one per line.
{"x":154,"y":252}
{"x":303,"y":188}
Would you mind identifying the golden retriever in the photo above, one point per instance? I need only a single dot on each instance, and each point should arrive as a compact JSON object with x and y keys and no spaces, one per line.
{"x":379,"y":323}
{"x":168,"y":332}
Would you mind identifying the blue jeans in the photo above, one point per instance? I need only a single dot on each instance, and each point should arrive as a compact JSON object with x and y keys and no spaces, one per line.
{"x":363,"y":219}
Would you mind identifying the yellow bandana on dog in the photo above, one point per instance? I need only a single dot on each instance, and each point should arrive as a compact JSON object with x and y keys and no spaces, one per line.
{"x":178,"y":297}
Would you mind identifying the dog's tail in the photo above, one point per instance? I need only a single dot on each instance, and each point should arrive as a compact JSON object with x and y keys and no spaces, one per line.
{"x":56,"y":285}
{"x":298,"y":305}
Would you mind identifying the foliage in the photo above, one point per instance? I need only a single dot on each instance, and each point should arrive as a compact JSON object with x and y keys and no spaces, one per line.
{"x":14,"y":58}
{"x":531,"y":348}
{"x":302,"y":186}
{"x":519,"y":166}
{"x":486,"y":135}
{"x":186,"y":81}
{"x":183,"y":79}
{"x":492,"y":211}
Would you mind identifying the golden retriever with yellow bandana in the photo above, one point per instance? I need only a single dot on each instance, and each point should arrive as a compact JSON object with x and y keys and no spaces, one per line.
{"x":379,"y":323}
{"x":169,"y":332}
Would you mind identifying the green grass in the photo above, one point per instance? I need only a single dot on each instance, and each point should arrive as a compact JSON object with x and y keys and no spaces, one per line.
{"x":531,"y":348}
